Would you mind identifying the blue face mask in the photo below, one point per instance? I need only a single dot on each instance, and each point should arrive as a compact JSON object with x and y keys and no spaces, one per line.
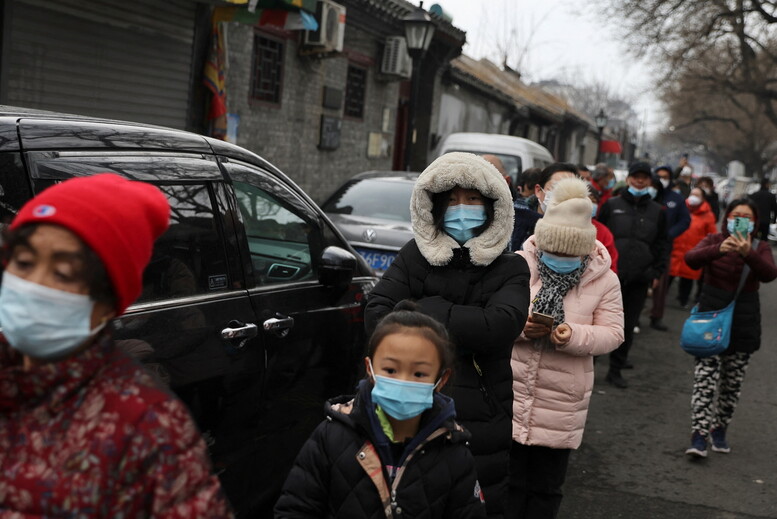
{"x":594,"y":211}
{"x":43,"y":322}
{"x":653,"y":192}
{"x":560,"y":264}
{"x":401,"y":399}
{"x":610,"y":184}
{"x":462,"y":220}
{"x":638,"y":192}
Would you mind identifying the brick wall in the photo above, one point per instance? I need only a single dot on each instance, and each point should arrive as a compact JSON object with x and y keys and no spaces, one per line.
{"x":288,"y":134}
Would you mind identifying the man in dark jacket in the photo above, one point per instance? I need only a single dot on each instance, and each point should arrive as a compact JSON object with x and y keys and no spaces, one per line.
{"x":639,"y":226}
{"x":766,"y":203}
{"x":678,"y":219}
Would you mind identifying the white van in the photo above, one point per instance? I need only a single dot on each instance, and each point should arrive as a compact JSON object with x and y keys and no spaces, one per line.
{"x":516,"y":153}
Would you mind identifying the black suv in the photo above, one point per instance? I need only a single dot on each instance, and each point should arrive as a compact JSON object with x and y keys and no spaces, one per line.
{"x":252,"y":307}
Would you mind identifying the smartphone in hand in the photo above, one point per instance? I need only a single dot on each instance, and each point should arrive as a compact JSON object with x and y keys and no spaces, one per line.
{"x":741,"y":226}
{"x":544,"y":319}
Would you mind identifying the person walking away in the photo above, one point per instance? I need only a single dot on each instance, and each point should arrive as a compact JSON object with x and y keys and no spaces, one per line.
{"x":553,"y":370}
{"x":603,"y":180}
{"x":717,"y":380}
{"x":84,"y":430}
{"x":457,"y":270}
{"x":678,"y":219}
{"x":526,"y":219}
{"x":638,"y":224}
{"x":766,"y":203}
{"x":385,"y":451}
{"x":702,"y":224}
{"x":710,"y":195}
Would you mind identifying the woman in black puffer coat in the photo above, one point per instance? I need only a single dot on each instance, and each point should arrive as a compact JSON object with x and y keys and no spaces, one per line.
{"x":457,"y":269}
{"x":718,"y":379}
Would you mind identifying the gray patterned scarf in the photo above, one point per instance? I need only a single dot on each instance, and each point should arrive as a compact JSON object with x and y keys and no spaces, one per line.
{"x":550,"y":298}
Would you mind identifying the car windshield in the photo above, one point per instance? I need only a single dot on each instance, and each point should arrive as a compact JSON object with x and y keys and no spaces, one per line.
{"x":373,"y":198}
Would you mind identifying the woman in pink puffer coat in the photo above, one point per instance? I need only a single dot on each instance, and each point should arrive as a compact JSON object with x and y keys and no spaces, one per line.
{"x":553,"y":369}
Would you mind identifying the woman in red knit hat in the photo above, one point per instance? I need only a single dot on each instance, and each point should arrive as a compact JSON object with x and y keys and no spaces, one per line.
{"x":84,"y":430}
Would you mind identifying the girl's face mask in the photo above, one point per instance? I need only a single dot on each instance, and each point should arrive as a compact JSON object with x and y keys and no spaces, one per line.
{"x":401,"y":399}
{"x":42,"y":322}
{"x":560,"y":264}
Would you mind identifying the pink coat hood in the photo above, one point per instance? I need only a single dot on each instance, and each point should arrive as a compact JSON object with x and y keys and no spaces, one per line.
{"x":552,"y":387}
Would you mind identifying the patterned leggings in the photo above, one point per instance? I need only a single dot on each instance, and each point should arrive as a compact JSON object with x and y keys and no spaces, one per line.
{"x":725,"y":374}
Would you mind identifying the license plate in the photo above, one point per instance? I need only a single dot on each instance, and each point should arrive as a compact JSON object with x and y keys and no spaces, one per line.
{"x":378,"y":260}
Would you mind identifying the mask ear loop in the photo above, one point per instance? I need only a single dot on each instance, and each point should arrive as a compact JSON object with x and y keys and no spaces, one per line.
{"x":439,"y":379}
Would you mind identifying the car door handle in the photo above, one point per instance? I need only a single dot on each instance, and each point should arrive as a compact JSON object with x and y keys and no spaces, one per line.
{"x":280,"y":325}
{"x":238,"y":330}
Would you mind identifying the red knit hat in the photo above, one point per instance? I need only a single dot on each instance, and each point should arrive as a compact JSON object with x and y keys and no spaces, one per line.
{"x":117,"y":218}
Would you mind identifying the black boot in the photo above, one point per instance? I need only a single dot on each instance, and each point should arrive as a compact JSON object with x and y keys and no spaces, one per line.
{"x":615,"y":378}
{"x":656,"y":324}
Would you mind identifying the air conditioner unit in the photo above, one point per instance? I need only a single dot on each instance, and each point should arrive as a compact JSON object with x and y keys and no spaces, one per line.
{"x":331,"y":27}
{"x":396,"y":61}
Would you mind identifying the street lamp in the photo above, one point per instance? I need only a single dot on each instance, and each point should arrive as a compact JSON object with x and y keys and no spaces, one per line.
{"x":419,"y":29}
{"x":601,"y":122}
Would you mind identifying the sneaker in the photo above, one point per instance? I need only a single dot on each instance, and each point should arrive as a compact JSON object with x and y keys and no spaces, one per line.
{"x":698,"y":448}
{"x":656,"y":324}
{"x":719,"y":443}
{"x":617,"y":380}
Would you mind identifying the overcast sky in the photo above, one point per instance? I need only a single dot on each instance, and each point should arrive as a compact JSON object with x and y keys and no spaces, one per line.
{"x":554,"y":39}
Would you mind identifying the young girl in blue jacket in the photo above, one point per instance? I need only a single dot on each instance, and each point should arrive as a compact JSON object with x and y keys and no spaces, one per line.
{"x":394,"y":450}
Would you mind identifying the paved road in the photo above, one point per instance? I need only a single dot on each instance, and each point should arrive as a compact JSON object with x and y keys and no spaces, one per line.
{"x":632,"y":463}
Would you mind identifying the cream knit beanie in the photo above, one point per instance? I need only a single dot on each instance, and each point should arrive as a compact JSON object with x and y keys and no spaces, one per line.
{"x":566,"y":227}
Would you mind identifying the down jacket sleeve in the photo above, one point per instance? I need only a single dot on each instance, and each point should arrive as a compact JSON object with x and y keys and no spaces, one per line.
{"x":306,"y":491}
{"x":479,"y":323}
{"x":393,"y":287}
{"x":606,"y":332}
{"x":465,"y":501}
{"x":499,"y":321}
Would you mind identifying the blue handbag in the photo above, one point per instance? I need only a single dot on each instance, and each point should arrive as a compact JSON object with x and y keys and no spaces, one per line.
{"x":708,"y":333}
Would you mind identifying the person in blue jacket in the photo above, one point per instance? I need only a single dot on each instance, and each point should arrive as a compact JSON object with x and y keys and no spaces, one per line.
{"x":678,"y":219}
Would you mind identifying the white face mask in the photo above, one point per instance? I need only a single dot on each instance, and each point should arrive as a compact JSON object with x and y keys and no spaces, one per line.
{"x":664,"y":182}
{"x":548,"y":198}
{"x":43,"y":322}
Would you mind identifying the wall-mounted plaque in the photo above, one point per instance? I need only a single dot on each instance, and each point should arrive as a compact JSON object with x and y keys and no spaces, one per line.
{"x":333,"y":98}
{"x":329,"y":136}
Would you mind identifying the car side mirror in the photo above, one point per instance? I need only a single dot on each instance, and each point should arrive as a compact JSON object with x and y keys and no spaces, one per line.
{"x":336,"y":267}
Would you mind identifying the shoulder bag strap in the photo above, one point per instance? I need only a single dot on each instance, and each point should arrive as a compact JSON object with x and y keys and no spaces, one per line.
{"x":745,"y":272}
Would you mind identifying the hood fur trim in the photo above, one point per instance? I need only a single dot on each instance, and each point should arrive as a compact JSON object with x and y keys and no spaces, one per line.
{"x":467,"y":171}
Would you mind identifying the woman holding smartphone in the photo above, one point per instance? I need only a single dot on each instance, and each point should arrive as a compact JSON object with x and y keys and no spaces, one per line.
{"x":576,"y":313}
{"x":717,"y":380}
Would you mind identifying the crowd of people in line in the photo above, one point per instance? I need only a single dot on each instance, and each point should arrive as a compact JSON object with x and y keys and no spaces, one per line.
{"x":480,"y":363}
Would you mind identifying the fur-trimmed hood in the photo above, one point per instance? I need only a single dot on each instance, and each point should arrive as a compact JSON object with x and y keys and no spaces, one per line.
{"x":467,"y":171}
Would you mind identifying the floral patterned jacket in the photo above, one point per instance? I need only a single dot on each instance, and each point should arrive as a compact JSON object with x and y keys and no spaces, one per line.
{"x":95,"y":436}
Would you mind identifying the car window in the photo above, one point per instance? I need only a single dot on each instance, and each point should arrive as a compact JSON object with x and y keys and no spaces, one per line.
{"x":188,"y":259}
{"x":278,"y":237}
{"x":385,"y":199}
